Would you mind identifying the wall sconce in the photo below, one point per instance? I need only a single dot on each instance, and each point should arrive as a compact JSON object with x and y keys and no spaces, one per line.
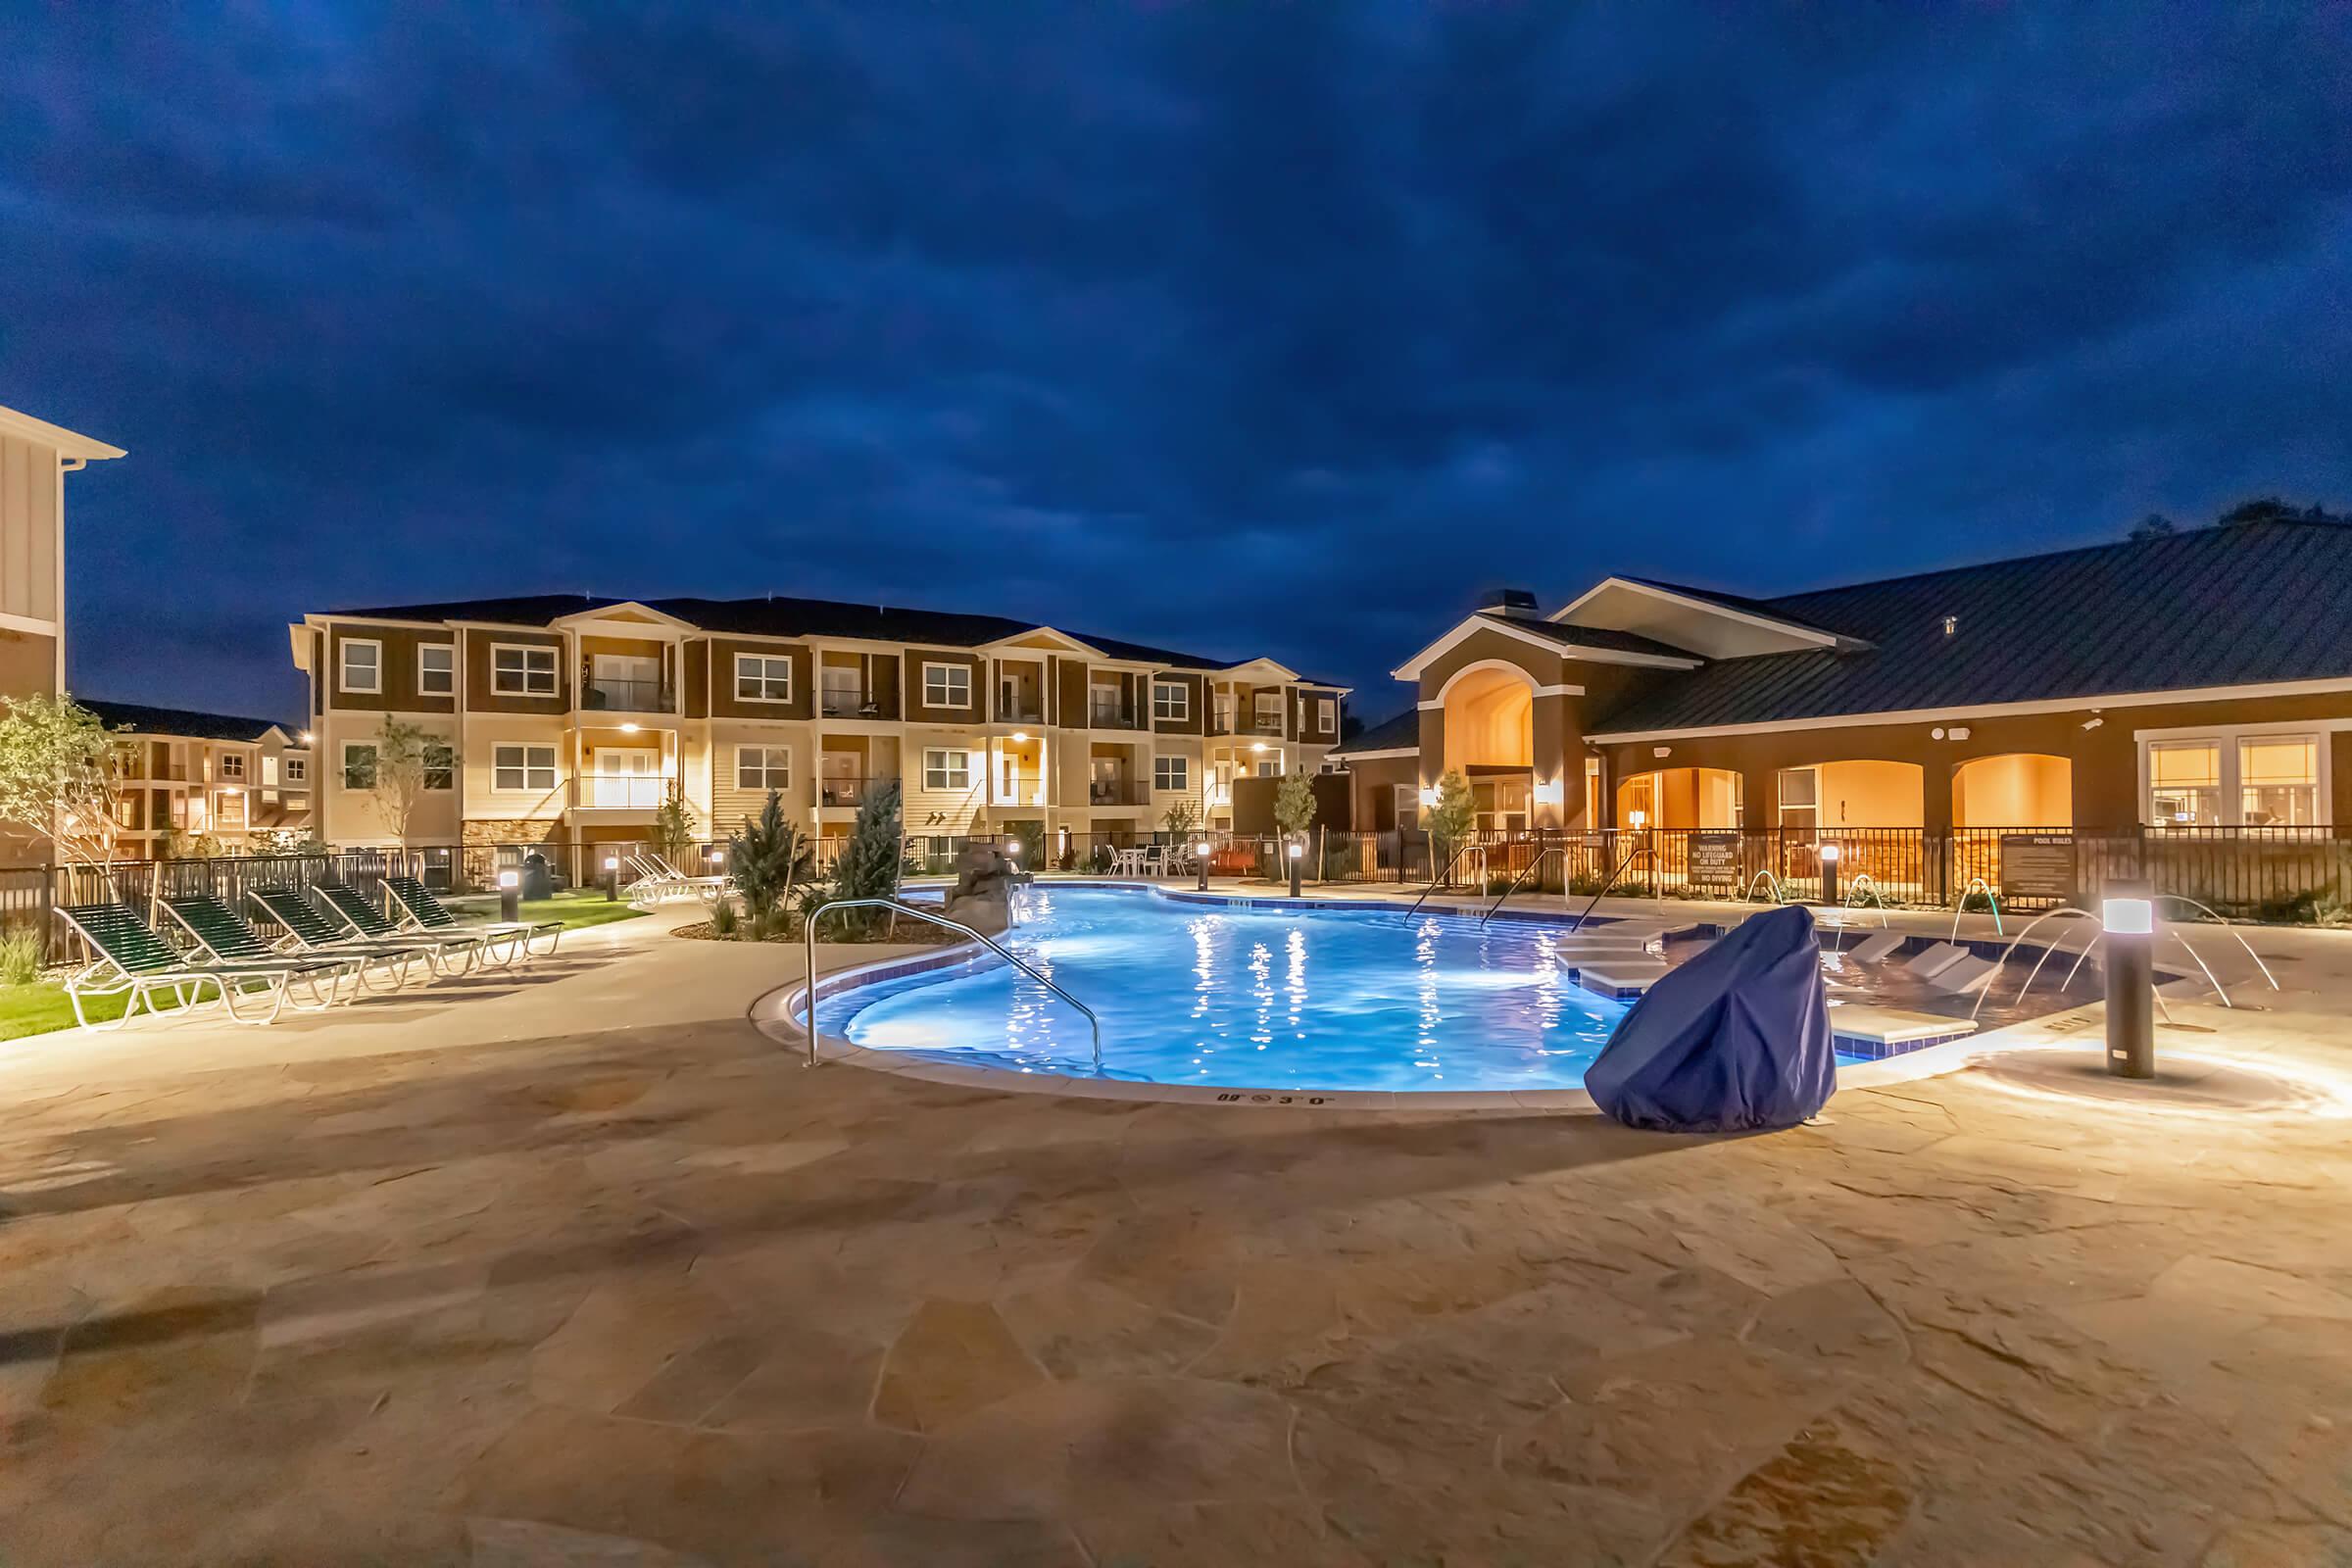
{"x":1639,"y":819}
{"x":1661,"y":751}
{"x":1429,"y":795}
{"x":1958,"y":732}
{"x":1551,"y":791}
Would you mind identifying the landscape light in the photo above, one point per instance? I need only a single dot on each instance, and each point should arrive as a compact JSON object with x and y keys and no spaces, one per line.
{"x":1013,"y":849}
{"x":612,"y":862}
{"x":2129,"y":917}
{"x":509,"y":879}
{"x":1829,"y":853}
{"x":2128,"y":954}
{"x":717,"y":858}
{"x":1298,"y":851}
{"x":1200,"y":865}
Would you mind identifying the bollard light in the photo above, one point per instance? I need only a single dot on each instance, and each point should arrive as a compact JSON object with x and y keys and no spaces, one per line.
{"x":1200,"y":865}
{"x":2129,"y":955}
{"x":611,"y":879}
{"x":1828,"y":874}
{"x":510,"y":896}
{"x":1297,"y":853}
{"x":716,"y":858}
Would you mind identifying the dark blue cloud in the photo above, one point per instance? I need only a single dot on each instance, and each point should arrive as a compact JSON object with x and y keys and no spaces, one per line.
{"x":1268,"y":327}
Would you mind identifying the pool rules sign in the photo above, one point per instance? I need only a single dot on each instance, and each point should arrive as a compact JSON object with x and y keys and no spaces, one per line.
{"x":2038,"y":867}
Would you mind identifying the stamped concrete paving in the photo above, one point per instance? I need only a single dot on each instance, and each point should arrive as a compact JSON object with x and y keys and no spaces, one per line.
{"x":585,"y":1271}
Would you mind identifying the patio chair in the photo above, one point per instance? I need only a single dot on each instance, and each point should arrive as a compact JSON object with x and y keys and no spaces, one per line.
{"x":222,"y":938}
{"x":1152,"y":861}
{"x":132,"y":959}
{"x":421,"y":912}
{"x":654,"y":881}
{"x":311,"y":932}
{"x":343,"y":904}
{"x":711,"y":888}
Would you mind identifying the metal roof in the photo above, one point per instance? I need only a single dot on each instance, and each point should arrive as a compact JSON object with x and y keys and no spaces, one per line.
{"x":1401,"y":733}
{"x":2255,"y":604}
{"x":142,"y":718}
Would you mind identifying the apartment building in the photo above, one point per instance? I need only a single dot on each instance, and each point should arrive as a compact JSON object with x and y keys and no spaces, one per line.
{"x":571,"y":718}
{"x":35,"y":456}
{"x":187,"y":776}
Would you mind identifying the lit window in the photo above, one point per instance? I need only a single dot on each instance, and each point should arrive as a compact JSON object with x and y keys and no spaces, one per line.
{"x":1171,"y":700}
{"x":1327,"y":714}
{"x":523,"y":767}
{"x":763,"y":767}
{"x":232,"y":765}
{"x":516,"y":671}
{"x":763,"y":678}
{"x":359,"y":766}
{"x":946,"y":771}
{"x":1269,"y":707}
{"x":2278,"y":780}
{"x":1171,"y":773}
{"x":298,"y":769}
{"x":440,"y":765}
{"x":363,"y":665}
{"x":2184,"y":783}
{"x":947,"y":686}
{"x":436,"y":669}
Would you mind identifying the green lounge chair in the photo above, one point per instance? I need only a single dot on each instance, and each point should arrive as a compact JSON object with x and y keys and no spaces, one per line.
{"x":312,"y":932}
{"x":344,"y":903}
{"x":425,"y":912}
{"x":133,"y":959}
{"x":222,"y":938}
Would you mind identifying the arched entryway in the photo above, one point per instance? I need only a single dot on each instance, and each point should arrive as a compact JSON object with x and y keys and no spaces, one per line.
{"x":1681,"y":797}
{"x":2016,"y":789}
{"x":1489,"y":739}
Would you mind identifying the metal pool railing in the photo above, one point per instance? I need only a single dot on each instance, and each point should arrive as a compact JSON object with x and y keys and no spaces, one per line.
{"x":808,"y":942}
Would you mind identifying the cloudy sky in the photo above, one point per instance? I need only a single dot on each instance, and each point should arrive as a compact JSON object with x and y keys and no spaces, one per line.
{"x":1239,"y":327}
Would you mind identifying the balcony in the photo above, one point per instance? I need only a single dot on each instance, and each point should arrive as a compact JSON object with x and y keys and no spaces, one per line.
{"x":617,"y":792}
{"x":840,"y":701}
{"x":1020,"y":708}
{"x":626,"y":696}
{"x":843,"y":789}
{"x":1117,"y":791}
{"x":1100,"y":715}
{"x":1264,"y":724}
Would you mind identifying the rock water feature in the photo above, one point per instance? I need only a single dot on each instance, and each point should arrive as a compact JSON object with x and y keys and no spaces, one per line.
{"x":982,"y":896}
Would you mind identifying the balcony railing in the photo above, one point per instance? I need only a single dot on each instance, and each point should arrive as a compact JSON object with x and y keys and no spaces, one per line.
{"x":626,"y":695}
{"x":1112,"y":715}
{"x":1117,"y":791}
{"x":617,"y":792}
{"x":838,"y":703}
{"x":1016,"y":709}
{"x":841,"y":789}
{"x":1264,"y":724}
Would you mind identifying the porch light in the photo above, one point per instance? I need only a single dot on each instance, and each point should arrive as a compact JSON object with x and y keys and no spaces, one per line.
{"x":629,"y":728}
{"x":1020,"y":737}
{"x":2129,"y":917}
{"x":1257,"y":746}
{"x":306,"y":737}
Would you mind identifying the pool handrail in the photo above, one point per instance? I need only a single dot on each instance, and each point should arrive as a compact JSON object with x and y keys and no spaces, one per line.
{"x":1523,"y":875}
{"x":808,"y":944}
{"x":1633,"y":855}
{"x":1439,"y":880}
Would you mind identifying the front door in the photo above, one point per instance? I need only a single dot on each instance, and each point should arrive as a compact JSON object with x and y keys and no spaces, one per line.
{"x":626,"y":780}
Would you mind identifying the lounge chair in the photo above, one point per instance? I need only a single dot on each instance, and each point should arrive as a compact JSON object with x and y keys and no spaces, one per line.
{"x":132,"y":959}
{"x":222,"y":938}
{"x":658,"y":879}
{"x":422,"y":912}
{"x":310,"y":931}
{"x":345,"y":907}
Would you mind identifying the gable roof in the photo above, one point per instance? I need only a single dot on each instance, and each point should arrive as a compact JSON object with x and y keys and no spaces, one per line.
{"x":141,"y":719}
{"x":2257,"y":604}
{"x":1599,"y":644}
{"x":781,"y":617}
{"x":1401,"y":733}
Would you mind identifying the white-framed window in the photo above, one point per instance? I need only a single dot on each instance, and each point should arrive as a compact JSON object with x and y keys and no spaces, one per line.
{"x":232,"y":765}
{"x":440,"y":765}
{"x":362,"y":666}
{"x":298,"y":770}
{"x":1172,"y":773}
{"x":1268,"y":706}
{"x":518,"y":767}
{"x":436,"y":669}
{"x":1171,"y":700}
{"x":1408,"y":805}
{"x":358,"y":765}
{"x":764,"y":677}
{"x":763,"y":767}
{"x":2243,"y":776}
{"x":1269,"y":768}
{"x":1800,"y":800}
{"x":1327,"y":714}
{"x":947,"y":770}
{"x":518,"y":669}
{"x":947,"y":686}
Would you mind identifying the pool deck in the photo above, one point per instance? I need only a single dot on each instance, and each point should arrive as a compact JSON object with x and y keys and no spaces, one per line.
{"x":584,"y":1268}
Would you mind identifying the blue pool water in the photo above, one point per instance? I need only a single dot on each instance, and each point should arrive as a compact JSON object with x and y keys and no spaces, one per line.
{"x":1251,"y":997}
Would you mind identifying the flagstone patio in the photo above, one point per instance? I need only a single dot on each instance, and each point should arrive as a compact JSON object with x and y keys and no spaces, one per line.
{"x":585,"y":1270}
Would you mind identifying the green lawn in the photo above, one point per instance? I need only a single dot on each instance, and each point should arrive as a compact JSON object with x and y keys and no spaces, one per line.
{"x":575,"y":908}
{"x":41,"y":1007}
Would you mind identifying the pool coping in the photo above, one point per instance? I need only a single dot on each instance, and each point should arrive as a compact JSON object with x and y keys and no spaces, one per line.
{"x":775,"y":1014}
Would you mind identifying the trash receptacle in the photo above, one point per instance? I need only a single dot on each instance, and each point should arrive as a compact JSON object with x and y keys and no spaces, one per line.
{"x":538,"y":881}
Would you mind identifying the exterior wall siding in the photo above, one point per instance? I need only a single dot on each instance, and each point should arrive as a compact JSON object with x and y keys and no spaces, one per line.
{"x":31,"y":531}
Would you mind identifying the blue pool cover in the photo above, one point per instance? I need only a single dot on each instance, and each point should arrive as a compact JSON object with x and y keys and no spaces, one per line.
{"x":1736,"y":1039}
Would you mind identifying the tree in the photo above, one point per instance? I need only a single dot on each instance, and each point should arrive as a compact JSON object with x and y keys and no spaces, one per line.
{"x":1180,"y":818}
{"x":872,"y":860}
{"x":58,"y":765}
{"x":767,"y":856}
{"x":1294,"y":805}
{"x":2155,"y":526}
{"x":1450,"y":820}
{"x":671,"y":834}
{"x":409,"y":761}
{"x":2260,"y":509}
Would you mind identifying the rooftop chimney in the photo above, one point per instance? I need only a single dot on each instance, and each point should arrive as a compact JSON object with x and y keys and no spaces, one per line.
{"x":1508,"y":602}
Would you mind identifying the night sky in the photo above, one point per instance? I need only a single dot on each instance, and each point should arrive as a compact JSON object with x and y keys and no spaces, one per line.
{"x":1234,"y":327}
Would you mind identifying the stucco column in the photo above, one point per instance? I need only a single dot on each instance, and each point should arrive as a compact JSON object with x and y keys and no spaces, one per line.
{"x":1549,"y":733}
{"x":1432,"y":745}
{"x":1760,"y":798}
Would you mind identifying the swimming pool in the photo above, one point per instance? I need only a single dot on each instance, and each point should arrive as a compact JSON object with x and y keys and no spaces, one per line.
{"x":1253,"y":996}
